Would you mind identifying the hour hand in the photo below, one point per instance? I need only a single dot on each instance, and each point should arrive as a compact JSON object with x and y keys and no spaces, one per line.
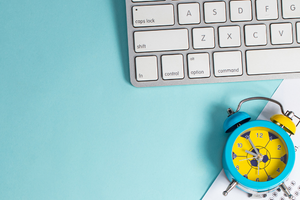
{"x":253,"y":154}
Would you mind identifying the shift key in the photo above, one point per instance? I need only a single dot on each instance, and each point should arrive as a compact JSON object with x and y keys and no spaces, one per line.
{"x":161,"y":40}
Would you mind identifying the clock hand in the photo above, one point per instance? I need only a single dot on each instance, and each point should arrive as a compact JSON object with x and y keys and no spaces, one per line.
{"x":258,"y":167}
{"x":255,"y":149}
{"x":247,"y":159}
{"x":253,"y":154}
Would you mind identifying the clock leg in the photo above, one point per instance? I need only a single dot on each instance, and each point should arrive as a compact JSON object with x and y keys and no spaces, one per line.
{"x":230,"y":187}
{"x":286,"y":190}
{"x":257,"y":196}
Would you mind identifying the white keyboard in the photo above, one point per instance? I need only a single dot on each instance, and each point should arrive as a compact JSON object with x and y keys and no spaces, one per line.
{"x":178,"y":42}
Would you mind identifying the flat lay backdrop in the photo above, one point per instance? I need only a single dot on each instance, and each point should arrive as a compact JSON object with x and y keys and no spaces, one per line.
{"x":73,"y":127}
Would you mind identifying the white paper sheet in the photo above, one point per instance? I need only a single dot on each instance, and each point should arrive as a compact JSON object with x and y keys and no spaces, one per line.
{"x":288,"y":94}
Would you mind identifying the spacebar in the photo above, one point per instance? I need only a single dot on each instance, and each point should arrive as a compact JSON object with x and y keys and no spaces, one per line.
{"x":270,"y":61}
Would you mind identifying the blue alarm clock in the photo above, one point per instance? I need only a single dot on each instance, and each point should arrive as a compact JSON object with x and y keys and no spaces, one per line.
{"x":259,"y":155}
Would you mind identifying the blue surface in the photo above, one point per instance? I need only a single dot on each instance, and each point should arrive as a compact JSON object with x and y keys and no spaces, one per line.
{"x":73,"y":127}
{"x":231,"y":171}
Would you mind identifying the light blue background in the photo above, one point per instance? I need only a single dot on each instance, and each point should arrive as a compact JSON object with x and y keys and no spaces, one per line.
{"x":73,"y":127}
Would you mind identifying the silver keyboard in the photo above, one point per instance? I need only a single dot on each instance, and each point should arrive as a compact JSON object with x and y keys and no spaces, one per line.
{"x":178,"y":42}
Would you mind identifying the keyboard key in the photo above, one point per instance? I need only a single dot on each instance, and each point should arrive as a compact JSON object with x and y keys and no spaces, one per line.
{"x":240,"y":10}
{"x":172,"y":66}
{"x":266,"y":9}
{"x":214,"y":12}
{"x":174,"y":39}
{"x":291,"y":9}
{"x":157,"y":15}
{"x":228,"y":63}
{"x":203,"y":38}
{"x":146,"y":68}
{"x":189,"y":13}
{"x":255,"y":35}
{"x":229,"y":36}
{"x":281,"y":33}
{"x":298,"y":32}
{"x":145,"y":0}
{"x":198,"y":65}
{"x":271,"y":61}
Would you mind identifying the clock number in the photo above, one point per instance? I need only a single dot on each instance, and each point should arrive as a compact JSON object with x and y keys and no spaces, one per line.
{"x":257,"y":180}
{"x":237,"y":167}
{"x":240,"y":145}
{"x":278,"y":170}
{"x":259,"y":135}
{"x":279,"y":147}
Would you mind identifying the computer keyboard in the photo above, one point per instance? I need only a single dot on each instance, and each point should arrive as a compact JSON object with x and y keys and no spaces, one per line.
{"x":178,"y":42}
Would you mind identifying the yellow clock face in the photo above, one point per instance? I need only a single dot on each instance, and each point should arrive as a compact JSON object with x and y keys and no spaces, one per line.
{"x":259,"y":154}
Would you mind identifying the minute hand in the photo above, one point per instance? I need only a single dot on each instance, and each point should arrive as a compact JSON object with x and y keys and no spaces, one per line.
{"x":255,"y":149}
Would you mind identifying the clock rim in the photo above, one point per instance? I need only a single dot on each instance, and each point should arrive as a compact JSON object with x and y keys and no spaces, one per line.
{"x":232,"y":173}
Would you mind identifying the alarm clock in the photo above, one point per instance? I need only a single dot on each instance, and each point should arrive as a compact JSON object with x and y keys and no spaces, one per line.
{"x":259,"y":155}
